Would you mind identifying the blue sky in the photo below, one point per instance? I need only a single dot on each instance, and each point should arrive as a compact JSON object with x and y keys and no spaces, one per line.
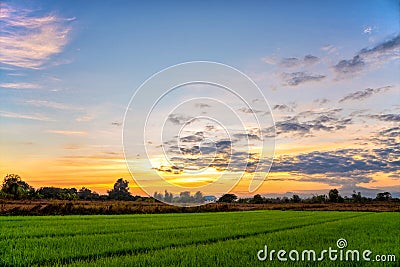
{"x":69,"y":68}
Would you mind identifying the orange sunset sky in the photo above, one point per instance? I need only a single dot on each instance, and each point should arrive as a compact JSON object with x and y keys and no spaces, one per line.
{"x":329,"y":74}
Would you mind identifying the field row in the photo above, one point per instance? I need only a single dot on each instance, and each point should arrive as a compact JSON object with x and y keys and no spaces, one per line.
{"x":184,"y":239}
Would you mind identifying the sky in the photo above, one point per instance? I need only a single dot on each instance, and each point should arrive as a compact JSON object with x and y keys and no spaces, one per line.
{"x":328,"y":70}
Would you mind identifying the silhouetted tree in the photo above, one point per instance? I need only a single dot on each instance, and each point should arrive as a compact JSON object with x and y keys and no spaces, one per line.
{"x":185,"y":197}
{"x":356,"y":197}
{"x":168,"y":197}
{"x":333,"y":195}
{"x":16,"y":188}
{"x":57,"y":193}
{"x":318,"y":199}
{"x":120,"y":190}
{"x":383,"y":196}
{"x":257,"y":199}
{"x":296,"y":199}
{"x":158,"y":196}
{"x":87,"y":194}
{"x":198,"y":197}
{"x":228,"y":198}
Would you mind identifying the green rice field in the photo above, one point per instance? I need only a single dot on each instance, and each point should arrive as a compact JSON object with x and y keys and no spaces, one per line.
{"x":197,"y":239}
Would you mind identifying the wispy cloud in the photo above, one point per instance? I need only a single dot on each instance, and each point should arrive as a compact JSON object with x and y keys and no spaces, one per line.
{"x":37,"y":117}
{"x":20,"y":85}
{"x":65,"y":132}
{"x":29,"y":40}
{"x":272,"y":60}
{"x":296,"y":78}
{"x":252,"y":111}
{"x":49,"y":104}
{"x":321,"y":101}
{"x":116,"y":123}
{"x":296,"y":62}
{"x":329,"y":49}
{"x":368,"y":30}
{"x":202,"y":105}
{"x":386,"y":117}
{"x":362,"y":94}
{"x":84,"y":118}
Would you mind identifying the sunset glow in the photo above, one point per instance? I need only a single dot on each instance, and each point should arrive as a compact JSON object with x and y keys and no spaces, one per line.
{"x":68,"y":73}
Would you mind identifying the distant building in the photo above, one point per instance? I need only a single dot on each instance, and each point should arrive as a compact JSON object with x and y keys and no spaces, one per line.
{"x":210,"y":199}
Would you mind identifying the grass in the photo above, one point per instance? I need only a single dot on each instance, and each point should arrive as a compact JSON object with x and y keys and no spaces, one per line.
{"x":192,"y":239}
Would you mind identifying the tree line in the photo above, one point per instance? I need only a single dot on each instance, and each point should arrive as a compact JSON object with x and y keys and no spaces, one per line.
{"x":333,"y":196}
{"x":14,"y":187}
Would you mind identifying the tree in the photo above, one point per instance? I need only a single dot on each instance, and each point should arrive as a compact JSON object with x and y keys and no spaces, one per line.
{"x":257,"y":199}
{"x":185,"y":197}
{"x":198,"y":197}
{"x":333,"y":195}
{"x":383,"y":196}
{"x":168,"y":197}
{"x":49,"y":192}
{"x":158,"y":196}
{"x":120,"y":190}
{"x":356,"y":197}
{"x":87,"y":194}
{"x":16,"y":188}
{"x":228,"y":198}
{"x":58,"y":193}
{"x":296,"y":199}
{"x":318,"y":199}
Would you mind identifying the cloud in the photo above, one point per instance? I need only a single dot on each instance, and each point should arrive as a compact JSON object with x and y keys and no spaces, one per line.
{"x":252,"y":111}
{"x":247,"y":136}
{"x":329,"y":49}
{"x":386,"y":117}
{"x":29,"y":40}
{"x":296,"y":78}
{"x":65,"y":132}
{"x":310,"y":59}
{"x":84,"y":118}
{"x":197,"y":137}
{"x":344,"y":67}
{"x":369,"y":57}
{"x":20,"y":85}
{"x":36,"y":117}
{"x":283,"y":107}
{"x":220,"y":156}
{"x":305,"y":123}
{"x":49,"y":104}
{"x":169,"y":169}
{"x":290,"y":62}
{"x":362,"y":94}
{"x":338,"y":167}
{"x":116,"y":123}
{"x":391,"y":132}
{"x":368,"y":30}
{"x":272,"y":60}
{"x":178,"y":119}
{"x":296,"y":62}
{"x":202,"y":105}
{"x":321,"y":101}
{"x":346,"y":166}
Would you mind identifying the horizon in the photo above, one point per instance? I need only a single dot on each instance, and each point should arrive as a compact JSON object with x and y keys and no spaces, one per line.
{"x":69,"y":70}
